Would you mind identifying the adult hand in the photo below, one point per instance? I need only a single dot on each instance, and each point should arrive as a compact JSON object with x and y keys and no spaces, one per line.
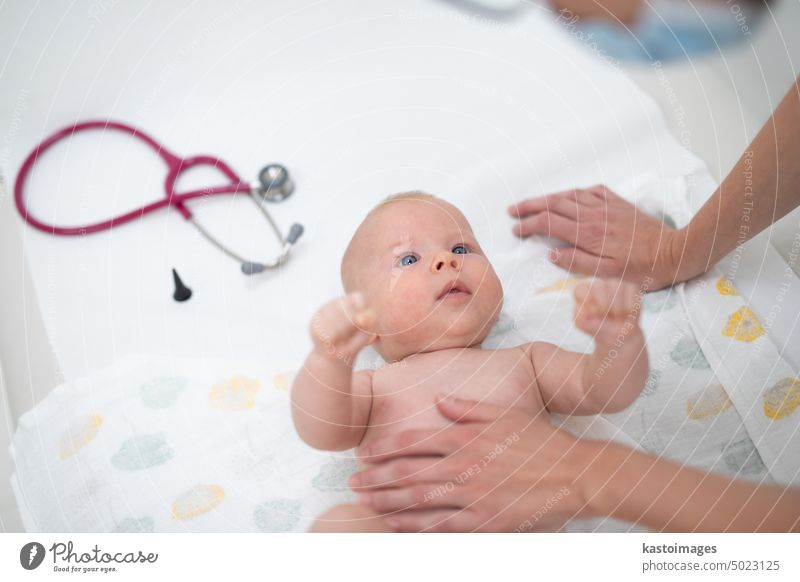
{"x":494,"y":470}
{"x":610,"y":237}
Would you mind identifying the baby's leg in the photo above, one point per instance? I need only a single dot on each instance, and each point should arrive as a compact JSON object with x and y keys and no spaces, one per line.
{"x":350,"y":518}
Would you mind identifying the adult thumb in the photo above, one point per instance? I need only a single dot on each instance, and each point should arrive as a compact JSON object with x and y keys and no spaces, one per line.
{"x":468,"y":410}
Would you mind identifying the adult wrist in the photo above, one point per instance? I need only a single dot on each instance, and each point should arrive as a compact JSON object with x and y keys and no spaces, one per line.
{"x":582,"y":486}
{"x":600,"y":477}
{"x":681,"y":260}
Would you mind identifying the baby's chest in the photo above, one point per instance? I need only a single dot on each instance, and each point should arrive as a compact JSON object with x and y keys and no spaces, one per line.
{"x":407,"y":393}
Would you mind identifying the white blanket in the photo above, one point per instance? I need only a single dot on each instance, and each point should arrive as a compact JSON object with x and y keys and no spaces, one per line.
{"x":361,"y":100}
{"x":358,"y":99}
{"x":173,"y":444}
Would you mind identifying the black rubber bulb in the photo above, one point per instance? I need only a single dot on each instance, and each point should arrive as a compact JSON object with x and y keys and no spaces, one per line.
{"x":182,"y":292}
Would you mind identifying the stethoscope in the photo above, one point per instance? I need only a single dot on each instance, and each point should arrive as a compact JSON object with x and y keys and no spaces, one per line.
{"x":274,"y":185}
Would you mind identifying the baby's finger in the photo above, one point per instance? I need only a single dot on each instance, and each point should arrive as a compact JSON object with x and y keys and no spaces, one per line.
{"x":352,"y":304}
{"x":365,"y":319}
{"x":626,"y":300}
{"x":333,"y":327}
{"x":358,"y":342}
{"x":580,"y":292}
{"x":588,"y":321}
{"x":617,"y":303}
{"x":591,"y":304}
{"x":584,"y":306}
{"x":603,"y":296}
{"x":341,"y":315}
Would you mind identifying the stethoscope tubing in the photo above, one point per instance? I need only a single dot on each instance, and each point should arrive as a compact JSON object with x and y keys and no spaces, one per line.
{"x":175,"y":166}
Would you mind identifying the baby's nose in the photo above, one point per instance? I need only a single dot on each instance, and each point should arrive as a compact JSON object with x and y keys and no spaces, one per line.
{"x":443,"y":260}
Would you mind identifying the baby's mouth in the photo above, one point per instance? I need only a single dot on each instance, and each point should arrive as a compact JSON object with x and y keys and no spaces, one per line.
{"x":453,"y":289}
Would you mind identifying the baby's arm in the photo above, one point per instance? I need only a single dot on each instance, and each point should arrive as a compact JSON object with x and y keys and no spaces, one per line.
{"x":610,"y":378}
{"x":331,"y":404}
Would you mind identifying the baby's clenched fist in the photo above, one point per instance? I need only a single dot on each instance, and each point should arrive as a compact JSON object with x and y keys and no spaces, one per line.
{"x":607,"y":308}
{"x":343,"y":327}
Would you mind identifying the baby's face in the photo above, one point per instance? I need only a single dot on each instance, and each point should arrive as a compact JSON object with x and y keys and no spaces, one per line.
{"x":427,"y":279}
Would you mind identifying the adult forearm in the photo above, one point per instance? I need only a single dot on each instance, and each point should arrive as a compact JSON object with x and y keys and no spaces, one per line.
{"x":662,"y":495}
{"x":763,"y":186}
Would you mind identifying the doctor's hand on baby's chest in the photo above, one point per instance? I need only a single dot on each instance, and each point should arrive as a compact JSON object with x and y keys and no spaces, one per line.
{"x":405,"y":392}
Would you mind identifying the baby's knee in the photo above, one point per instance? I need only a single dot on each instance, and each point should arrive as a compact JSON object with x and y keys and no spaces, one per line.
{"x":349,"y":518}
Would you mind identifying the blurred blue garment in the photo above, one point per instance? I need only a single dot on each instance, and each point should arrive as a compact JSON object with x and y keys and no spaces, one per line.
{"x":668,"y":29}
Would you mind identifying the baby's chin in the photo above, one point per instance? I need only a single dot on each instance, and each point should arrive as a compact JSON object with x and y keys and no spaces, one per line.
{"x":445,"y":340}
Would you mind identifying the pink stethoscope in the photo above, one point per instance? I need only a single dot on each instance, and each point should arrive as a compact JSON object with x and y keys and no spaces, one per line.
{"x":274,"y":185}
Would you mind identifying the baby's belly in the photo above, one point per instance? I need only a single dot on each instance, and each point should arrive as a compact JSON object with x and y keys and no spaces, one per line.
{"x":415,"y":407}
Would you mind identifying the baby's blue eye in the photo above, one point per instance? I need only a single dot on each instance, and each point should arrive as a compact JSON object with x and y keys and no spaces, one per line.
{"x":408,"y":260}
{"x":459,"y":250}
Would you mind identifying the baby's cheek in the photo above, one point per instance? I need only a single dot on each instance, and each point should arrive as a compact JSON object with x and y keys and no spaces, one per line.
{"x":491,"y":292}
{"x":402,"y":311}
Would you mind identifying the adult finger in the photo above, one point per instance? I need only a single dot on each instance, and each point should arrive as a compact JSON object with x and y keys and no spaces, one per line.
{"x":431,"y":520}
{"x":469,"y":410}
{"x":419,"y":442}
{"x":548,"y":224}
{"x":564,"y":203}
{"x":404,"y":471}
{"x":416,"y":497}
{"x":603,"y":192}
{"x":579,"y":261}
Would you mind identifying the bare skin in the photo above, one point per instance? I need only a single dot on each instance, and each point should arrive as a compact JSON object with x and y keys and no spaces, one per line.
{"x":763,"y":186}
{"x":589,"y":479}
{"x":605,"y":479}
{"x":427,"y":299}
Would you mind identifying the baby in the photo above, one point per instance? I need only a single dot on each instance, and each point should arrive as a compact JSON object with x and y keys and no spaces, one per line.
{"x":423,"y":294}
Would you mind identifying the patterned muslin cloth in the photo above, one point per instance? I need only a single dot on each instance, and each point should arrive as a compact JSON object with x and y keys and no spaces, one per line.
{"x":175,"y":444}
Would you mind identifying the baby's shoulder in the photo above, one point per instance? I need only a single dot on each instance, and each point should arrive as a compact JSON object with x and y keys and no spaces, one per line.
{"x":515,"y":359}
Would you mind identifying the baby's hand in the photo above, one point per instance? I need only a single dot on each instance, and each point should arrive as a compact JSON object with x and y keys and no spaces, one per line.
{"x":341,"y":328}
{"x":607,"y":309}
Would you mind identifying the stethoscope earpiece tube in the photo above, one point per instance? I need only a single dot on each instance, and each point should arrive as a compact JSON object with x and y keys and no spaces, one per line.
{"x":295,"y":232}
{"x":252,"y":268}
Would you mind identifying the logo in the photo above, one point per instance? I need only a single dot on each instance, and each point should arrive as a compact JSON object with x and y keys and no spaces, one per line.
{"x":31,"y":555}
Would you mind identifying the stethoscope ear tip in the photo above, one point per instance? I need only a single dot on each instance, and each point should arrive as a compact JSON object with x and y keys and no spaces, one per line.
{"x":294,"y":233}
{"x":250,"y":268}
{"x":253,"y":268}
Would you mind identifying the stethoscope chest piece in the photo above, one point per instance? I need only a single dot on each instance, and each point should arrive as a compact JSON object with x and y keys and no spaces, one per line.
{"x":274,"y":185}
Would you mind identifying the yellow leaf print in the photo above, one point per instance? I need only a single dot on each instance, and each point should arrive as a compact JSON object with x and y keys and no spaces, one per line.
{"x":782,"y":399}
{"x":282,"y":381}
{"x":725,"y":287}
{"x":197,"y":501}
{"x":743,"y":326}
{"x":561,"y":285}
{"x":236,"y":393}
{"x":79,"y":434}
{"x":708,"y":403}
